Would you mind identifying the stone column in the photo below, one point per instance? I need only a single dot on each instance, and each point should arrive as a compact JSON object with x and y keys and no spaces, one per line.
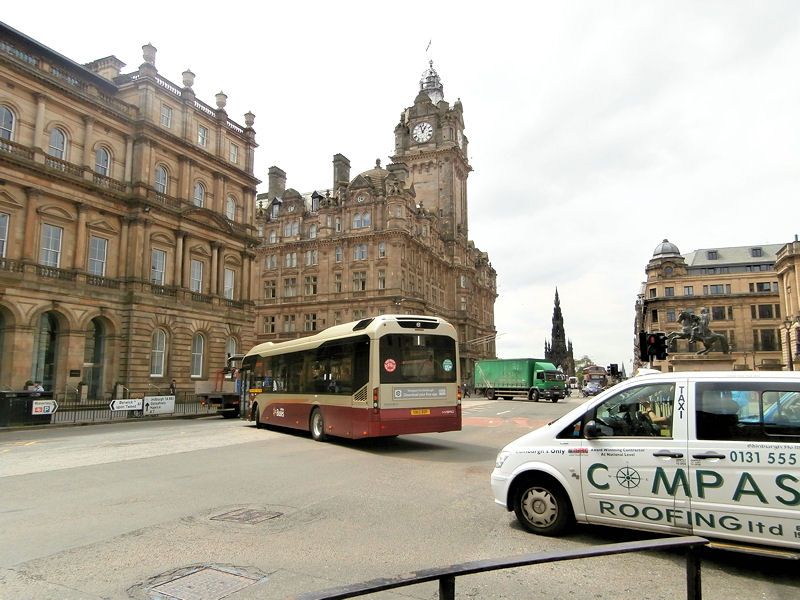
{"x":38,"y":128}
{"x":144,"y":228}
{"x":79,"y":261}
{"x":88,"y":127}
{"x":129,"y":159}
{"x":31,"y":223}
{"x":216,"y":249}
{"x":219,"y":199}
{"x":179,"y":259}
{"x":123,"y":248}
{"x":186,"y":259}
{"x":247,"y":273}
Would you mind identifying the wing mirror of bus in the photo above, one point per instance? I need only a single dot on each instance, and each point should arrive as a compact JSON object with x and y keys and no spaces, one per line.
{"x":591,"y":430}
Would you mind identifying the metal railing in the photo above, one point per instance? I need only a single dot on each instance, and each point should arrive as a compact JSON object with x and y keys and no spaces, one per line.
{"x":446,"y":576}
{"x":73,"y":410}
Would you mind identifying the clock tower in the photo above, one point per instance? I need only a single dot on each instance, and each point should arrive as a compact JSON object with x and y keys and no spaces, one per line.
{"x":430,"y":141}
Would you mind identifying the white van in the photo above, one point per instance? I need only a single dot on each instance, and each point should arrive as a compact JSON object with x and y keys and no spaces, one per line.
{"x":711,"y":454}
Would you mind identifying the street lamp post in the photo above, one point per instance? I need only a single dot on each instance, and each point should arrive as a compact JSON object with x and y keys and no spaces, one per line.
{"x":787,"y":323}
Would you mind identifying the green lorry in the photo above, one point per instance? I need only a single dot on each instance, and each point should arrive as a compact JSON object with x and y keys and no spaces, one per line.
{"x":533,"y":378}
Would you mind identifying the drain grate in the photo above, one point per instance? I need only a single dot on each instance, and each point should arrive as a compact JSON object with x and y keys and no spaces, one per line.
{"x":206,"y":584}
{"x":247,"y":515}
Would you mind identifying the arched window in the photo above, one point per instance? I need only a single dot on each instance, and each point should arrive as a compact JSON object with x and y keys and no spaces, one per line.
{"x":158,"y":348}
{"x":230,"y":346}
{"x":58,"y":144}
{"x":366,"y":220}
{"x":230,"y":208}
{"x":102,"y":162}
{"x":162,"y":179}
{"x":6,"y":123}
{"x":198,"y":343}
{"x":199,"y":194}
{"x":357,"y":221}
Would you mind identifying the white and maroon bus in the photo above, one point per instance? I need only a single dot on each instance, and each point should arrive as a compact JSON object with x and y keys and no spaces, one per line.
{"x":383,"y":376}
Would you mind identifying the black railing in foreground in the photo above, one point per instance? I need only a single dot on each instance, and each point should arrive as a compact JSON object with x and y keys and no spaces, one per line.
{"x":446,"y":576}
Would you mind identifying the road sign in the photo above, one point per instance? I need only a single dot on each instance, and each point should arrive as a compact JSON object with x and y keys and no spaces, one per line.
{"x":159,"y":405}
{"x":126,"y":404}
{"x":44,"y":407}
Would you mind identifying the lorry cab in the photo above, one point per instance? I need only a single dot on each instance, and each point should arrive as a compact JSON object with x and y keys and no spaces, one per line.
{"x":711,"y":454}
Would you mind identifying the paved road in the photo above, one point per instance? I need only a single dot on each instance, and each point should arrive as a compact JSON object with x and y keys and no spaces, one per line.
{"x":196,"y":508}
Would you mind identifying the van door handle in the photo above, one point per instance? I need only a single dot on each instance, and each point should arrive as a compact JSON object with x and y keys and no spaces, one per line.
{"x":709,"y":455}
{"x":668,"y":454}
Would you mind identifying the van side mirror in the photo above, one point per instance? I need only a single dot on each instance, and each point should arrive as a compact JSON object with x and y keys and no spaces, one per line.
{"x":591,"y":430}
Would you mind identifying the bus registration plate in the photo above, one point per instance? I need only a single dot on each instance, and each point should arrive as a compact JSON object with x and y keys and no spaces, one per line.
{"x":420,"y":411}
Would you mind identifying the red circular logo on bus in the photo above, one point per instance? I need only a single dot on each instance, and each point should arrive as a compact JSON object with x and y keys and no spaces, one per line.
{"x":389,"y":365}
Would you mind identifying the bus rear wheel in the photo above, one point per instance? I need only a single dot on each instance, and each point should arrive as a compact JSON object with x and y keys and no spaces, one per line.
{"x":259,"y":424}
{"x":317,"y":425}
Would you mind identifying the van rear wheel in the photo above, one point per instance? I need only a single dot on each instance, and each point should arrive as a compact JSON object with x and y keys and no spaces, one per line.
{"x":543,"y":508}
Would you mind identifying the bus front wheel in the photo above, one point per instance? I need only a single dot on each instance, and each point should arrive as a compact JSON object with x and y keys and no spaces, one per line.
{"x":317,"y":425}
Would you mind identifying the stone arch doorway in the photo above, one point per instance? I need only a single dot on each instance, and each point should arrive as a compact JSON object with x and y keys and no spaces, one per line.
{"x":45,"y":350}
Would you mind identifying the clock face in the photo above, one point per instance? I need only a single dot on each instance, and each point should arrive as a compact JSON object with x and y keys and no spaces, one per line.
{"x":422,"y":132}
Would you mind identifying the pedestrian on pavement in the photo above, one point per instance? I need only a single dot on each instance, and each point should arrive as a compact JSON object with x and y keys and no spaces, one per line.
{"x":173,"y":388}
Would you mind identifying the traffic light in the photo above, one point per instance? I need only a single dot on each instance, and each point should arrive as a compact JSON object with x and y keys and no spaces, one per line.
{"x":653,"y":345}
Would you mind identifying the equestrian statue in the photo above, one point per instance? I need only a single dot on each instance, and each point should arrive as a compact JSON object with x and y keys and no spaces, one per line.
{"x":695,"y":329}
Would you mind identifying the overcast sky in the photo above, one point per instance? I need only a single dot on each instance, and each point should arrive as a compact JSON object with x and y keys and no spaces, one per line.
{"x":596,"y":128}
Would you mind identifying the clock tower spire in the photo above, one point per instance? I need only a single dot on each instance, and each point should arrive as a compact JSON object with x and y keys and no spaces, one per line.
{"x":430,"y":141}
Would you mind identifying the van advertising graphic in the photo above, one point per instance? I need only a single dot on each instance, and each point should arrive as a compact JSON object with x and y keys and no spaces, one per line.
{"x":700,"y":486}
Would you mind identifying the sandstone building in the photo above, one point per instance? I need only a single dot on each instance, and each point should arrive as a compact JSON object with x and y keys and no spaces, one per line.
{"x":126,"y":225}
{"x":787,"y":266}
{"x":392,"y":239}
{"x":740,"y":288}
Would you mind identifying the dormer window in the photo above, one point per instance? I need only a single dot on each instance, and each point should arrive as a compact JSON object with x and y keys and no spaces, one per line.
{"x":756,"y":252}
{"x":712,"y":255}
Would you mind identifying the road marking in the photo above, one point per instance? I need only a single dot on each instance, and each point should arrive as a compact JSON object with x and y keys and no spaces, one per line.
{"x":504,"y":412}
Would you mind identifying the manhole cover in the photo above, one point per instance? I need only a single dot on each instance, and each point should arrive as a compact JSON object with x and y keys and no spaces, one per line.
{"x":247,"y":515}
{"x":206,"y":584}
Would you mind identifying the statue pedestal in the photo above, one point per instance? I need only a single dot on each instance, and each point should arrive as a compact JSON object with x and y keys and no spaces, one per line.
{"x":715,"y":361}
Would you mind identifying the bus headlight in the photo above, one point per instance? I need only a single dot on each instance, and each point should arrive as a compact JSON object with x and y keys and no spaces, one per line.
{"x":501,"y":458}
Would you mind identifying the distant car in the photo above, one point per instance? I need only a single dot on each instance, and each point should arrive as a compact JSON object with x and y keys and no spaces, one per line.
{"x":592,"y":389}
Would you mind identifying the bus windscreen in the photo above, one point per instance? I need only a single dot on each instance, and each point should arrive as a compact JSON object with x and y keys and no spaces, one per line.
{"x":417,"y":358}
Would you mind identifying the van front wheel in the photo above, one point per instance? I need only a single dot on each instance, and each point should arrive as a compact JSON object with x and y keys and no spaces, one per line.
{"x":543,"y":508}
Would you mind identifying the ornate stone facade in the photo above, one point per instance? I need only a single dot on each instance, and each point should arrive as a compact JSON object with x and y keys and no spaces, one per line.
{"x":126,"y":225}
{"x":739,"y":287}
{"x":787,"y":265}
{"x":558,"y":351}
{"x":390,"y":240}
